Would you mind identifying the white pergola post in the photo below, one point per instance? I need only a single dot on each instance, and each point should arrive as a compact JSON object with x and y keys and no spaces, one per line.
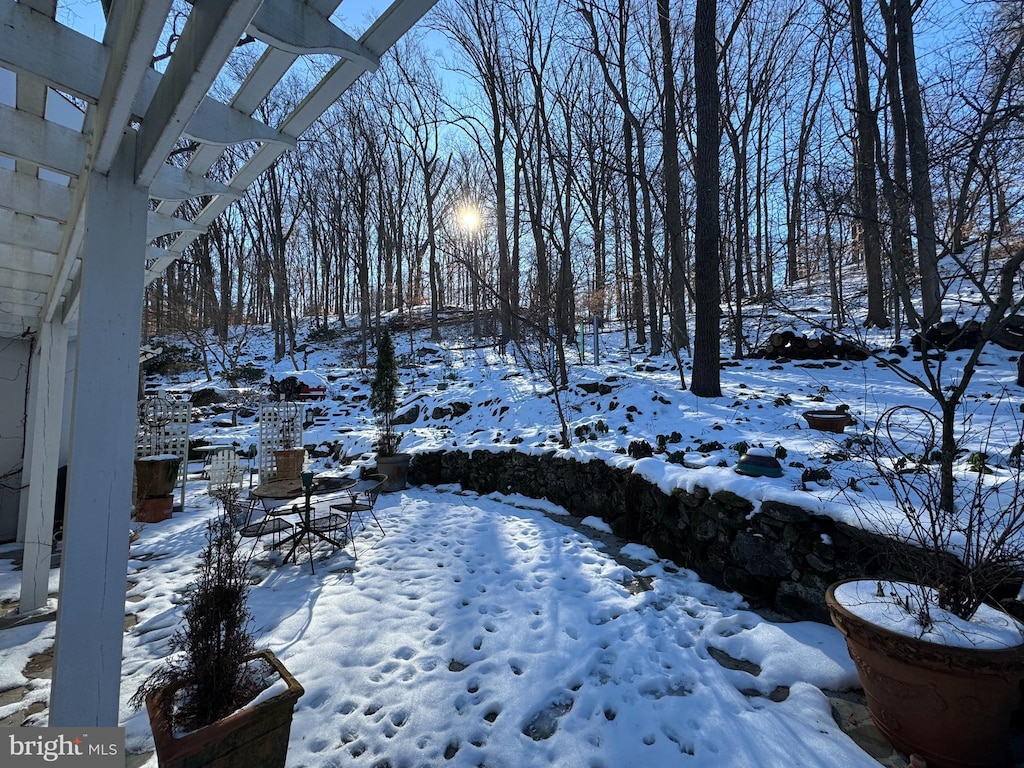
{"x":90,"y":613}
{"x":42,"y":456}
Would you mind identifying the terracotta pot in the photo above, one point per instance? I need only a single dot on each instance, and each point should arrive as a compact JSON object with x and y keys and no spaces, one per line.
{"x":289,"y":463}
{"x":156,"y":477}
{"x":397,"y":469}
{"x":252,"y":736}
{"x":153,"y":510}
{"x":952,"y":706}
{"x":828,"y":421}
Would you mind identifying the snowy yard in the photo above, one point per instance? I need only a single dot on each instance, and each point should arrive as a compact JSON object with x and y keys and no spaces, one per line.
{"x":495,"y":631}
{"x":480,"y":633}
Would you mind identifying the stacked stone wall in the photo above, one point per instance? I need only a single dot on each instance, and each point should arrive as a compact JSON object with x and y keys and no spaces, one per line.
{"x":782,"y":556}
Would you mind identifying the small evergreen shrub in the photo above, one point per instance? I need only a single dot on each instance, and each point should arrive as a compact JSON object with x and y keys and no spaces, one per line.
{"x":209,"y":649}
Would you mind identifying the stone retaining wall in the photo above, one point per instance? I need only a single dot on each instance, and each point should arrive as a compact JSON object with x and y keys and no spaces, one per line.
{"x":783,"y":557}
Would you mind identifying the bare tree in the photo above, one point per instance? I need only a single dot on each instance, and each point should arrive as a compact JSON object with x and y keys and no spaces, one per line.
{"x":706,"y":380}
{"x":672,"y":182}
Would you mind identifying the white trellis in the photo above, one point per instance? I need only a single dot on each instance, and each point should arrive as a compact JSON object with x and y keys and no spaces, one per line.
{"x":280,"y":427}
{"x":163,"y":428}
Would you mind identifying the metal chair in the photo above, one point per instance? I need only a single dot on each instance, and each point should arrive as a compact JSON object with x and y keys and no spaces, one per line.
{"x":362,"y":498}
{"x":335,"y":526}
{"x":239,"y":512}
{"x":269,"y":525}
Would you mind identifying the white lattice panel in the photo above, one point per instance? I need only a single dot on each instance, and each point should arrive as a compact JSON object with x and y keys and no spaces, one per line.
{"x":163,"y":428}
{"x":280,"y":427}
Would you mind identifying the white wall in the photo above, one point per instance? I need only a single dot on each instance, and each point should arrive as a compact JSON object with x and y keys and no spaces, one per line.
{"x":14,"y":360}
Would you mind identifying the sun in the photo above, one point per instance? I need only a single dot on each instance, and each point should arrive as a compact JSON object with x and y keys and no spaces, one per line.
{"x":469,"y":218}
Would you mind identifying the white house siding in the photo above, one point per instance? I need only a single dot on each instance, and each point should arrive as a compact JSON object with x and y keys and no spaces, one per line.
{"x":14,"y":355}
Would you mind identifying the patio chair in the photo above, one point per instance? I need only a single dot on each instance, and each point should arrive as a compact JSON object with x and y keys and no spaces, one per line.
{"x":362,"y":498}
{"x":248,"y":455}
{"x":224,"y":469}
{"x":335,"y":525}
{"x":273,"y":526}
{"x":239,"y":512}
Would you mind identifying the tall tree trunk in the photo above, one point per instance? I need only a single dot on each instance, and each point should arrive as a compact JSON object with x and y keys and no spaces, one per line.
{"x":920,"y":179}
{"x":706,"y":380}
{"x":864,"y":167}
{"x":670,"y":172}
{"x":634,"y":233}
{"x":894,"y":183}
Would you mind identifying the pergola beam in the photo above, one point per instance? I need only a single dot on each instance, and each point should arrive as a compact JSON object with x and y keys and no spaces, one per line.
{"x":29,"y":231}
{"x":27,"y":260}
{"x":382,"y":35}
{"x":296,"y":27}
{"x":132,"y":34}
{"x":41,"y":142}
{"x":160,"y":224}
{"x":61,"y":57}
{"x":9,"y":328}
{"x":69,"y":61}
{"x":211,"y":32}
{"x":175,"y":185}
{"x":34,"y":197}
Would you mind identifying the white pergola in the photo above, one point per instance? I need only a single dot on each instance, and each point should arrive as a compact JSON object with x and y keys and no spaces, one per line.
{"x":79,"y":210}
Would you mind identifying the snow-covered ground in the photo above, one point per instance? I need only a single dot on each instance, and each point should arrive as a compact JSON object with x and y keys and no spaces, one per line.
{"x":482,"y":631}
{"x":465,"y":395}
{"x":478,"y":632}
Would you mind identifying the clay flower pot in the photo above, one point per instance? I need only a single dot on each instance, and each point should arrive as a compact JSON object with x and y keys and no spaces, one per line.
{"x":828,"y":421}
{"x":289,"y":462}
{"x":953,"y":706}
{"x":396,"y":467}
{"x":156,"y":476}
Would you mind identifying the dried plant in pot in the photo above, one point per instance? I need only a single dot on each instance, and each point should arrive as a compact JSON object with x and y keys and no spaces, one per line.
{"x":384,"y":403}
{"x":941,"y":664}
{"x":216,"y":699}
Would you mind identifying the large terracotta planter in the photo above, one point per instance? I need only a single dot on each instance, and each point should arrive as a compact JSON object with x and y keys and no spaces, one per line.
{"x":153,"y":510}
{"x":396,"y":467}
{"x":156,"y":476}
{"x":952,"y":706}
{"x":828,"y":421}
{"x":289,"y":462}
{"x":252,"y":736}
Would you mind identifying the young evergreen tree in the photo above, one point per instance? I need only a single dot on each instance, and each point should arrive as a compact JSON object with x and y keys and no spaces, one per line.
{"x":384,"y":396}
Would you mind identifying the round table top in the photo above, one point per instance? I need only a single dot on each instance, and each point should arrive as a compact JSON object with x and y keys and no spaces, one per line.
{"x":291,"y":487}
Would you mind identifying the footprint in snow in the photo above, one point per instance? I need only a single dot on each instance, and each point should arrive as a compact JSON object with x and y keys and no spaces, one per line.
{"x":545,"y":722}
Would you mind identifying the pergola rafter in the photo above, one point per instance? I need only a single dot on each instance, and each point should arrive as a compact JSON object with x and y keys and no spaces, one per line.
{"x":82,"y":196}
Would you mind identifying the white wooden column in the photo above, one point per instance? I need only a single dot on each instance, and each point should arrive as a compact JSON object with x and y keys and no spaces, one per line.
{"x":42,"y":457}
{"x":90,"y":612}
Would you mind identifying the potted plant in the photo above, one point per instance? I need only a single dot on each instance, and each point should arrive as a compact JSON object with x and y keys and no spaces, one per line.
{"x":200,"y":700}
{"x":941,"y":665}
{"x":384,"y":403}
